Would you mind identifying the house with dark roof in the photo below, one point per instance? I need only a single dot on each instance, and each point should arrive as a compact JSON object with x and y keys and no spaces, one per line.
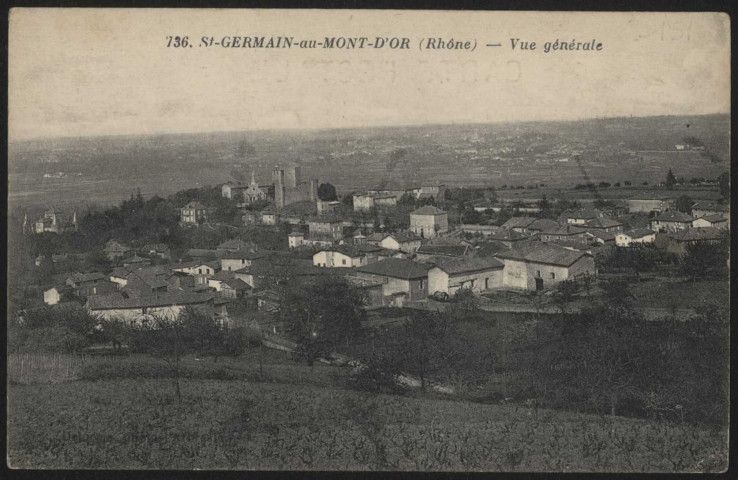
{"x":508,"y":238}
{"x":671,"y":221}
{"x":138,"y":310}
{"x":702,"y":209}
{"x":637,"y":236}
{"x":428,"y":221}
{"x":202,"y":254}
{"x":541,"y":266}
{"x":518,"y":224}
{"x":604,"y":224}
{"x":714,"y":220}
{"x":407,"y":242}
{"x":85,"y":284}
{"x":234,"y":260}
{"x":568,"y":232}
{"x":115,"y":250}
{"x":601,"y":237}
{"x":676,"y":242}
{"x":234,"y":288}
{"x":478,"y":274}
{"x":402,"y":280}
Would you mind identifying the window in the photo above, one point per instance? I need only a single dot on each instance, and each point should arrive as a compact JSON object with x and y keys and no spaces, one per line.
{"x":422,"y":284}
{"x":553,"y":276}
{"x":538,"y":273}
{"x":229,"y":268}
{"x":343,"y":261}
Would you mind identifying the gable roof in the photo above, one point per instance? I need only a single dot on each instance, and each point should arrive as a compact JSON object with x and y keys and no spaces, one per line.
{"x":428,"y":210}
{"x":155,"y":247}
{"x":545,"y":254}
{"x":396,"y":268}
{"x":86,"y":277}
{"x":518,"y":222}
{"x":673,"y":216}
{"x":116,"y":300}
{"x":508,"y":235}
{"x":714,"y":218}
{"x":402,"y":237}
{"x":243,"y":255}
{"x":603,"y":222}
{"x":711,"y":206}
{"x":116,"y":246}
{"x":194,"y":205}
{"x":236,"y":284}
{"x":541,"y":224}
{"x":639,"y":232}
{"x":583,"y":214}
{"x":468,"y":265}
{"x":446,"y":250}
{"x":697,"y":233}
{"x":601,"y":234}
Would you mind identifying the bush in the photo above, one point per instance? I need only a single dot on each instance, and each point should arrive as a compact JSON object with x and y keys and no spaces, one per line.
{"x":47,"y":339}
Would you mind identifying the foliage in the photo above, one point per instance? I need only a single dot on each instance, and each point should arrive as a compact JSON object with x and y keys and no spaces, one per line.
{"x":327,"y":192}
{"x":684,"y":204}
{"x":705,"y":259}
{"x":320,"y":313}
{"x":670,"y":180}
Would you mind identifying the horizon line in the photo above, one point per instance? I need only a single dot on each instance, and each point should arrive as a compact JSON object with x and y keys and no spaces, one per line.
{"x":352,"y":127}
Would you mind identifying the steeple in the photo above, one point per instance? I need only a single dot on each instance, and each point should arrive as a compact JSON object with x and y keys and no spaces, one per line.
{"x":253,"y":177}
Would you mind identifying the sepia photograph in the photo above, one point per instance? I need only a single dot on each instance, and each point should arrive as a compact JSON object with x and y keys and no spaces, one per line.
{"x":368,"y":240}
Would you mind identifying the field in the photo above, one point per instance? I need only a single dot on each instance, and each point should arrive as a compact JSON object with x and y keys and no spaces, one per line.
{"x":109,"y":169}
{"x":248,"y":423}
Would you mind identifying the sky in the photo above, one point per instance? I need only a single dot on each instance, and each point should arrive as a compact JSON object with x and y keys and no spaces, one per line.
{"x":84,"y":72}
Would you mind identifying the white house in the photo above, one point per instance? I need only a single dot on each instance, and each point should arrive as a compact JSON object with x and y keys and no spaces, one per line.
{"x":717,"y":221}
{"x":407,"y":242}
{"x":640,"y":236}
{"x":339,"y":257}
{"x":232,"y":261}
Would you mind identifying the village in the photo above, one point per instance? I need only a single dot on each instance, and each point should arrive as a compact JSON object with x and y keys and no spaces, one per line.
{"x":399,"y":245}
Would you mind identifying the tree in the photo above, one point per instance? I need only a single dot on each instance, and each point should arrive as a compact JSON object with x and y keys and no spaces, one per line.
{"x":705,"y":260}
{"x":684,"y":204}
{"x":327,"y":192}
{"x":424,"y":342}
{"x":724,"y":185}
{"x":321,"y":313}
{"x":670,"y":180}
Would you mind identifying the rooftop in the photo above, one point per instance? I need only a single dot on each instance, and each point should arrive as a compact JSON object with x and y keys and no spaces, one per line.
{"x":396,"y":268}
{"x":117,"y":300}
{"x":639,"y":232}
{"x":543,"y":253}
{"x":446,"y":250}
{"x":673,"y":216}
{"x":698,"y":233}
{"x":518,"y":222}
{"x":428,"y":210}
{"x":468,"y":265}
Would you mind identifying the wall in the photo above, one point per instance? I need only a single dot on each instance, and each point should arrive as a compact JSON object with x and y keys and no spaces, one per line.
{"x":416,"y":289}
{"x":232,"y":264}
{"x":363,"y":203}
{"x":428,"y":226}
{"x":51,"y":296}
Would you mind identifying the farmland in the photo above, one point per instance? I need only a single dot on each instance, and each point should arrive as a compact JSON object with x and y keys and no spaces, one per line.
{"x":248,"y":423}
{"x":108,"y":169}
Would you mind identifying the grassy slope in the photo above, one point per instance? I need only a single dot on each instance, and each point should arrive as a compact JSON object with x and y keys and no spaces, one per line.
{"x":245,"y":424}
